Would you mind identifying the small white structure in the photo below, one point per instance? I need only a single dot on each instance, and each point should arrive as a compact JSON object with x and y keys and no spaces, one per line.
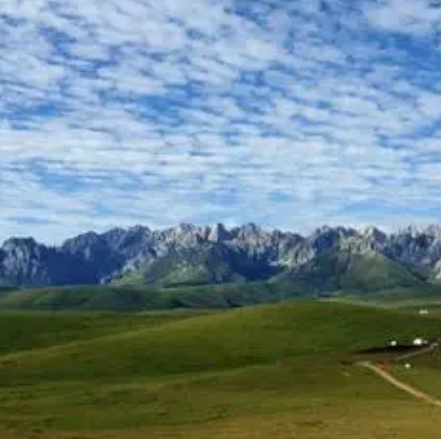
{"x":419,"y":341}
{"x":393,"y":343}
{"x":423,"y":312}
{"x":407,"y":366}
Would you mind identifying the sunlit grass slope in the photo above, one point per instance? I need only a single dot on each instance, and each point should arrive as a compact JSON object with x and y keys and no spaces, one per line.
{"x":217,"y":342}
{"x":283,"y":370}
{"x":409,"y":297}
{"x":30,"y":330}
{"x":424,"y":372}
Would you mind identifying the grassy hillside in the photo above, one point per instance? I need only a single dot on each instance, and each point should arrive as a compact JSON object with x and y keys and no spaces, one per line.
{"x":424,"y":372}
{"x":80,"y":298}
{"x":235,"y":339}
{"x":31,"y":330}
{"x":344,"y":270}
{"x":287,"y":400}
{"x":428,"y":297}
{"x":118,"y":298}
{"x":283,"y":370}
{"x":7,"y":289}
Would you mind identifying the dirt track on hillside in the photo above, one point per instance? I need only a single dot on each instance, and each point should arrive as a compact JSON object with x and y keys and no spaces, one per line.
{"x":386,"y":376}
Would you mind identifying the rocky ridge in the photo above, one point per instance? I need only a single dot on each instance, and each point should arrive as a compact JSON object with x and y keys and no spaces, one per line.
{"x":243,"y":253}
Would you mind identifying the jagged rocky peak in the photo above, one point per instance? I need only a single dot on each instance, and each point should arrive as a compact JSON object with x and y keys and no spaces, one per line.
{"x":250,"y":229}
{"x":138,"y":229}
{"x":18,"y":251}
{"x":181,"y":236}
{"x":435,"y":231}
{"x":251,"y":235}
{"x":342,"y":232}
{"x":361,"y":244}
{"x":328,"y":238}
{"x":25,"y":262}
{"x":93,"y":258}
{"x":135,"y":232}
{"x":185,"y":228}
{"x":14,"y":243}
{"x":218,"y":233}
{"x":374,"y":234}
{"x":82,"y":241}
{"x":91,"y":246}
{"x":282,"y":238}
{"x":416,"y":246}
{"x":370,"y":239}
{"x":422,"y":237}
{"x":128,"y":240}
{"x":431,"y":231}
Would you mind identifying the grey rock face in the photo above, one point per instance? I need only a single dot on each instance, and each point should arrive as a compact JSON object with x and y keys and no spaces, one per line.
{"x":94,"y":258}
{"x":218,"y":233}
{"x":420,"y":248}
{"x":24,"y":262}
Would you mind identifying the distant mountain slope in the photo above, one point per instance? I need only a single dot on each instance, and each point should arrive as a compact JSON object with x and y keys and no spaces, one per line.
{"x":24,"y":262}
{"x":205,"y":264}
{"x":328,"y":259}
{"x":353,"y":271}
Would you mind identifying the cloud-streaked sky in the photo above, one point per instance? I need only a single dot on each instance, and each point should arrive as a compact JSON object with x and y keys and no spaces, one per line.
{"x":287,"y":113}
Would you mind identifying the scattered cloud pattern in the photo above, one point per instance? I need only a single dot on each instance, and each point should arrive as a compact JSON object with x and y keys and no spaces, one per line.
{"x":286,"y":113}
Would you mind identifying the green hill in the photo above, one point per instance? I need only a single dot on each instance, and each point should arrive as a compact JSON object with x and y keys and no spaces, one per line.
{"x":351,"y":271}
{"x":87,"y":298}
{"x":240,"y":338}
{"x":128,"y":298}
{"x":412,"y":298}
{"x":31,"y":330}
{"x":282,"y":370}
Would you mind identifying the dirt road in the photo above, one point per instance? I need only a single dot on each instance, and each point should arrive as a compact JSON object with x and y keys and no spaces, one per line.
{"x":432,"y":347}
{"x":400,"y":384}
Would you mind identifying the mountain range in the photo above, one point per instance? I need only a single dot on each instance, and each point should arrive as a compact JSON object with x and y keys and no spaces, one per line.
{"x":329,"y":259}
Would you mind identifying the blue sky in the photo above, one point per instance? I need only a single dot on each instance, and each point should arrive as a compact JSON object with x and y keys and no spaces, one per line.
{"x":290,"y":114}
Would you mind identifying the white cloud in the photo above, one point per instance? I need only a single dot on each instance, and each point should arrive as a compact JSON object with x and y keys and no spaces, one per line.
{"x":164,"y":112}
{"x":415,"y":17}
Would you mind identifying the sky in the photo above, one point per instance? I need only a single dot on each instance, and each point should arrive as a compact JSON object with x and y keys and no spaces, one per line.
{"x":285,"y":113}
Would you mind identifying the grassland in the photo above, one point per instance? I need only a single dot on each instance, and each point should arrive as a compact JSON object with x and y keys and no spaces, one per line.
{"x":424,"y":372}
{"x":427,"y":297}
{"x":134,"y":299}
{"x":283,"y":371}
{"x":203,"y":297}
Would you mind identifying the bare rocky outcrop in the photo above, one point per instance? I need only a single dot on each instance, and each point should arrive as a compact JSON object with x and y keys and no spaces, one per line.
{"x":93,"y":258}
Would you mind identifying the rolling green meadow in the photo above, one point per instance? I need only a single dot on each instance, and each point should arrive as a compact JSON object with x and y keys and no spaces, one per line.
{"x":287,"y":371}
